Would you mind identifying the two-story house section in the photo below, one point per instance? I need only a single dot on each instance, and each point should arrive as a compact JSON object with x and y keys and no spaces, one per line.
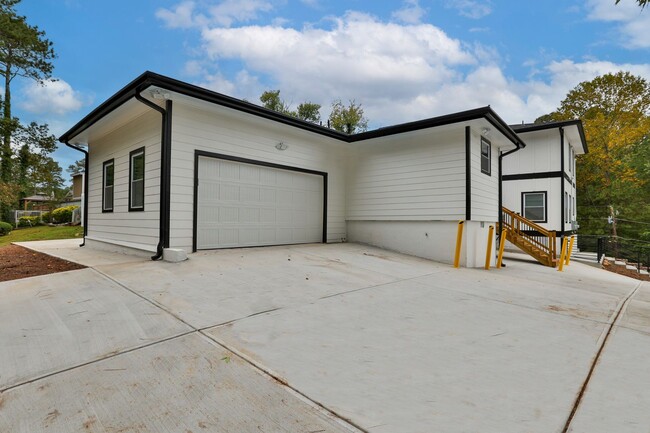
{"x":539,"y":181}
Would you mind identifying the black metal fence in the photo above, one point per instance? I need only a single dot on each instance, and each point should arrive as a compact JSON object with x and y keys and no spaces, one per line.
{"x":635,"y":251}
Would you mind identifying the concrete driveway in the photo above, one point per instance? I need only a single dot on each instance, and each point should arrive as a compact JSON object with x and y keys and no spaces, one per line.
{"x":317,"y":338}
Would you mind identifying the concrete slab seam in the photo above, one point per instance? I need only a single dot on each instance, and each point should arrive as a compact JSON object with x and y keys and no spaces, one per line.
{"x":348,"y":423}
{"x":151,"y":301}
{"x":616,"y":316}
{"x":96,"y":360}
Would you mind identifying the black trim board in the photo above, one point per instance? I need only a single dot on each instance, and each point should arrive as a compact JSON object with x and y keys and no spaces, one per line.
{"x":205,"y":154}
{"x":562,"y":191}
{"x":468,"y":173}
{"x":528,"y":176}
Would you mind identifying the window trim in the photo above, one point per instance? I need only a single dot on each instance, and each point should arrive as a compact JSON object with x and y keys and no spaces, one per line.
{"x":133,"y":154}
{"x":489,"y":156}
{"x":523,"y":203}
{"x":110,"y":162}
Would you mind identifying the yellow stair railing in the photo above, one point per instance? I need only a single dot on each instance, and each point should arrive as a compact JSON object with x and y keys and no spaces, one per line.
{"x":531,"y":238}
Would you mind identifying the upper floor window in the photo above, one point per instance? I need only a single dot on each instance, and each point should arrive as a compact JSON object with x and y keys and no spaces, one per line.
{"x":486,"y":156}
{"x":108,"y":183}
{"x":136,"y":180}
{"x":534,"y":205}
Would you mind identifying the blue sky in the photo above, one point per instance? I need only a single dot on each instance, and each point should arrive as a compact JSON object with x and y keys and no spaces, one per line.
{"x":402,"y":60}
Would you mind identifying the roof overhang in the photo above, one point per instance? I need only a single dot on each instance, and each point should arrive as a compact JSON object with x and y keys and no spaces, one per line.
{"x":123,"y":106}
{"x":572,"y":128}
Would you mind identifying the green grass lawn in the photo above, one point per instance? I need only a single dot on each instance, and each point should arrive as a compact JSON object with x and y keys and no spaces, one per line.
{"x":41,"y":233}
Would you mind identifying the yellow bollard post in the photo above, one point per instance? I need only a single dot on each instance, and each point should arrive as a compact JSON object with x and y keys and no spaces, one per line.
{"x":502,"y":245}
{"x":488,"y":253}
{"x":568,"y":253}
{"x":459,"y":241}
{"x":562,"y":254}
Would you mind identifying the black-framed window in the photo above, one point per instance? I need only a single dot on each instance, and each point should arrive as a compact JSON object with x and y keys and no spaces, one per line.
{"x":108,"y":185}
{"x":486,"y":156}
{"x":533,"y":205}
{"x":136,"y":180}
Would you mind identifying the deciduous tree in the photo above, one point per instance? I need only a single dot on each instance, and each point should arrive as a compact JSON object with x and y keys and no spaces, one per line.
{"x":348,"y":119}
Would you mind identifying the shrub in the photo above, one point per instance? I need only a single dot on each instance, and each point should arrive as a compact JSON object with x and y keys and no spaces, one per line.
{"x":62,"y":214}
{"x":46,"y":217}
{"x":5,"y":228}
{"x":29,"y":221}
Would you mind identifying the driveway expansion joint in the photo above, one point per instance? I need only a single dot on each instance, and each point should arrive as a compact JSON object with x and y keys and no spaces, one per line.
{"x":616,"y":316}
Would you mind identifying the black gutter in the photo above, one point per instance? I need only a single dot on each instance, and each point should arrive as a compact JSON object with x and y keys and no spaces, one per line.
{"x":151,"y":79}
{"x":85,"y":194}
{"x":165,"y":171}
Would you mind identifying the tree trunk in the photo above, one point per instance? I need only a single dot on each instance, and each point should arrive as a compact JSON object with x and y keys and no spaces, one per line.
{"x":5,"y":163}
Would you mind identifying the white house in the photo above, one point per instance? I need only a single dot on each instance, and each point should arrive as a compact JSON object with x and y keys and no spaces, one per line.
{"x":539,"y":182}
{"x":172,"y":165}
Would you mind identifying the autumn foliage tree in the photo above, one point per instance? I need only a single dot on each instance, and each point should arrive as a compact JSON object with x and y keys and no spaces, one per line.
{"x":615,"y":111}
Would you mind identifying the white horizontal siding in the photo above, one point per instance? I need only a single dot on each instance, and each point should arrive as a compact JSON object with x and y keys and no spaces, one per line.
{"x":541,"y":154}
{"x":122,"y":226}
{"x":512,"y":190}
{"x":485,"y":188}
{"x":210,"y":128}
{"x":419,"y":176}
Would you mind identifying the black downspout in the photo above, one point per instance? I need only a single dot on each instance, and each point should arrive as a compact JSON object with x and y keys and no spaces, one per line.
{"x":165,"y":169}
{"x":85,"y":210}
{"x":562,"y":192}
{"x":501,"y":156}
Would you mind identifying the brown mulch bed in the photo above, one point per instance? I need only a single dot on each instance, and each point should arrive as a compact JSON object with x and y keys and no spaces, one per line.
{"x":18,"y":262}
{"x":622,"y":270}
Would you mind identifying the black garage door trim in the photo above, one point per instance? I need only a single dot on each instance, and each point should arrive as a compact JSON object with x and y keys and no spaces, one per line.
{"x":202,"y":153}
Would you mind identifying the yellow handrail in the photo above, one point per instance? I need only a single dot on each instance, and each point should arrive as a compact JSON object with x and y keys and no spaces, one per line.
{"x":539,"y":242}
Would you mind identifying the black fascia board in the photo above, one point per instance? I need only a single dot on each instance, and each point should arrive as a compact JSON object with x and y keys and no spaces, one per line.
{"x":530,"y":127}
{"x":149,"y":79}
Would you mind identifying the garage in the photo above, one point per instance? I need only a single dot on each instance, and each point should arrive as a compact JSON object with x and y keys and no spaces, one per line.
{"x":246,"y":203}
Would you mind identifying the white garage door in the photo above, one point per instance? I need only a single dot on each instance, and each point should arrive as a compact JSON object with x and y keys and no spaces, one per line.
{"x":242,"y":205}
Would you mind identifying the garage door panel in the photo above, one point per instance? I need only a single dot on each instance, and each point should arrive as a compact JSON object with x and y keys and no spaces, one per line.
{"x":241,"y":204}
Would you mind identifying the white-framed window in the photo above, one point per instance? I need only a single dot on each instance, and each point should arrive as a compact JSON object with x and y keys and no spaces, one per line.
{"x":486,"y":156}
{"x":136,"y":180}
{"x":108,"y":185}
{"x":533,"y":205}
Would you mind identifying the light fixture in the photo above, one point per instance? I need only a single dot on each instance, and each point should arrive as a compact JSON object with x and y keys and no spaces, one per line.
{"x":281,"y":146}
{"x":160,"y":94}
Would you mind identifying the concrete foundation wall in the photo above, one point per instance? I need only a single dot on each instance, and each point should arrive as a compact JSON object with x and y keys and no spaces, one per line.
{"x":435,"y":240}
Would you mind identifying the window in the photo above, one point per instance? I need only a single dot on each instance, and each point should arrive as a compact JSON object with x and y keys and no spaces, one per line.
{"x":108,"y":183}
{"x":570,"y":159}
{"x":136,"y":180}
{"x":566,"y":207}
{"x":486,"y":156}
{"x":534,"y":205}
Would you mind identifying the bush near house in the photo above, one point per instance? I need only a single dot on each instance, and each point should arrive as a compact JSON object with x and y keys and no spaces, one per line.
{"x":62,"y":215}
{"x":5,"y":228}
{"x":46,"y":217}
{"x":29,"y":221}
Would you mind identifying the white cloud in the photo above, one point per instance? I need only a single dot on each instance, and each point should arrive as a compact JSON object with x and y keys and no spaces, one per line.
{"x":399,"y":72}
{"x":225,"y":13}
{"x":471,"y":8}
{"x":633,"y":22}
{"x":230,"y":11}
{"x":182,"y":16}
{"x":411,"y":13}
{"x":53,"y":97}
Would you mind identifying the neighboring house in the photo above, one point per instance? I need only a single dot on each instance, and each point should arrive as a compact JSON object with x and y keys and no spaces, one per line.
{"x":539,"y":182}
{"x":75,"y":194}
{"x":172,"y":165}
{"x":38,"y":201}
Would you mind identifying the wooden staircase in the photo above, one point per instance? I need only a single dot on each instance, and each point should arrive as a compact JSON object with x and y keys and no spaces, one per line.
{"x":531,"y":238}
